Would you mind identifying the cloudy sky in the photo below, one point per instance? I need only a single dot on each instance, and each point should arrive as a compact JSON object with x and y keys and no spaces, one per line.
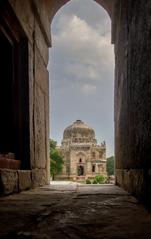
{"x":81,"y":70}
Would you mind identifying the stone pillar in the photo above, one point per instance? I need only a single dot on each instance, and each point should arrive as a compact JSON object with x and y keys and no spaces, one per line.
{"x":89,"y":167}
{"x":36,"y":26}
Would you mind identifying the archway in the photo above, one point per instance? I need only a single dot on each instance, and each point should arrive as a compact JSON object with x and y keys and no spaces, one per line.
{"x":85,"y":47}
{"x":132,"y":86}
{"x":54,"y":6}
{"x":80,"y":170}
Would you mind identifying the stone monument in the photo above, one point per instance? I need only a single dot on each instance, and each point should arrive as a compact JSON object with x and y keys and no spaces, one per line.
{"x":83,"y":158}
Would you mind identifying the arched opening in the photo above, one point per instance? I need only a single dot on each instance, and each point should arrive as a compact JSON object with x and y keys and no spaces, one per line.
{"x":82,"y":63}
{"x":80,"y":170}
{"x":93,"y":168}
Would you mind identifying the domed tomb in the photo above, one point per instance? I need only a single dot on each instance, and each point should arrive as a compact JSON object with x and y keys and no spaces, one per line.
{"x":79,"y":132}
{"x":83,"y":158}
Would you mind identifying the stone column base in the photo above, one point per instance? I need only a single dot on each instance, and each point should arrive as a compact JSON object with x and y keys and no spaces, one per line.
{"x":131,"y":180}
{"x":15,"y":181}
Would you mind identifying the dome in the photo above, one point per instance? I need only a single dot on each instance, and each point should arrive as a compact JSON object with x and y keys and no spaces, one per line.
{"x":79,"y":131}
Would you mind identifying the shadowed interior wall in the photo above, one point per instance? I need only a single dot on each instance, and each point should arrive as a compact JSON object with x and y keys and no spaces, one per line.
{"x":6,"y":97}
{"x":133,"y":97}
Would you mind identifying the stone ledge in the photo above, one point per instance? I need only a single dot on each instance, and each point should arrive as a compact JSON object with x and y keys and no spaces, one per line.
{"x":8,"y":163}
{"x":131,"y":180}
{"x":8,"y":181}
{"x":39,"y":177}
{"x":24,"y":178}
{"x":14,"y":181}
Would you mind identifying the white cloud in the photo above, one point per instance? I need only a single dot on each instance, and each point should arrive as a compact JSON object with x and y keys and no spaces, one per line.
{"x":90,"y":11}
{"x":86,"y":52}
{"x":76,"y":36}
{"x":88,"y":89}
{"x":81,"y":71}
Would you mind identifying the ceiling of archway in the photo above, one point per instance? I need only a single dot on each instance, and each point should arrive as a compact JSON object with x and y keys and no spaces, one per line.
{"x":55,"y":5}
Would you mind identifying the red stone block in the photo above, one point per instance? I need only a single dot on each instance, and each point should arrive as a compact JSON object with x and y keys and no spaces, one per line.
{"x":7,"y":161}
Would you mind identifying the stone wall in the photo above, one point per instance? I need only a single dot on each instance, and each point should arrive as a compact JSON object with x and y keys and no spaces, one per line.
{"x":133,"y":96}
{"x":36,"y":26}
{"x":37,"y":30}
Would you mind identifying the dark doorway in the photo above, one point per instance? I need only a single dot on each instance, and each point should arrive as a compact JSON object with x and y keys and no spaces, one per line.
{"x":7,"y":97}
{"x":93,"y":168}
{"x":14,"y":93}
{"x":80,"y":170}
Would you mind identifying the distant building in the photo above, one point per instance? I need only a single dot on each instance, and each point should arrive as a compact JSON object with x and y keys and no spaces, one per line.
{"x":83,"y":158}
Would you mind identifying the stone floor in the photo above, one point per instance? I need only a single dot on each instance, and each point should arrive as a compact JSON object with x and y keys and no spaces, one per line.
{"x":64,"y":211}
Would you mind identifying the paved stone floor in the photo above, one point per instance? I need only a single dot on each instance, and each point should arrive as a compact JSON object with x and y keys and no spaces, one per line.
{"x":73,"y":211}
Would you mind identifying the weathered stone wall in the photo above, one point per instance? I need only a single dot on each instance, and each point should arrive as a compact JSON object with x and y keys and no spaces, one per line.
{"x":133,"y":96}
{"x":36,"y":26}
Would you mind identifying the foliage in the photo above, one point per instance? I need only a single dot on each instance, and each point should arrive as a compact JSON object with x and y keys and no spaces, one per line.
{"x":110,"y":165}
{"x":56,"y":159}
{"x":94,"y":181}
{"x":99,"y":179}
{"x":88,"y":181}
{"x":52,"y":144}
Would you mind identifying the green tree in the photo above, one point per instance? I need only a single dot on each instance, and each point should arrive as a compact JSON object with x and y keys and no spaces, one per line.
{"x":110,"y":165}
{"x":56,"y":159}
{"x":52,"y":144}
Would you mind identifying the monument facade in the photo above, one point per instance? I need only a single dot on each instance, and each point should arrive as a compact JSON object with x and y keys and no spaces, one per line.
{"x":83,"y":157}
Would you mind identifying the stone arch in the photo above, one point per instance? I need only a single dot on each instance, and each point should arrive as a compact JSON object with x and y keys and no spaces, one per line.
{"x":80,"y":170}
{"x":44,"y":11}
{"x":81,"y":157}
{"x":54,"y":6}
{"x":47,"y":8}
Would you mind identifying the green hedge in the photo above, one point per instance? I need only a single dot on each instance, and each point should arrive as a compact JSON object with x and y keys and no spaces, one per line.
{"x":99,"y":179}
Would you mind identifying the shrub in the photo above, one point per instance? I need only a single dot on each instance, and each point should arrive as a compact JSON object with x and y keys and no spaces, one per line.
{"x":99,"y":179}
{"x":88,"y":181}
{"x":94,"y":181}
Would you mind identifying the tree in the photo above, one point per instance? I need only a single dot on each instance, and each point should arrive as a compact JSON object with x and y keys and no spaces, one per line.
{"x":110,"y":165}
{"x":52,"y":144}
{"x":56,"y":159}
